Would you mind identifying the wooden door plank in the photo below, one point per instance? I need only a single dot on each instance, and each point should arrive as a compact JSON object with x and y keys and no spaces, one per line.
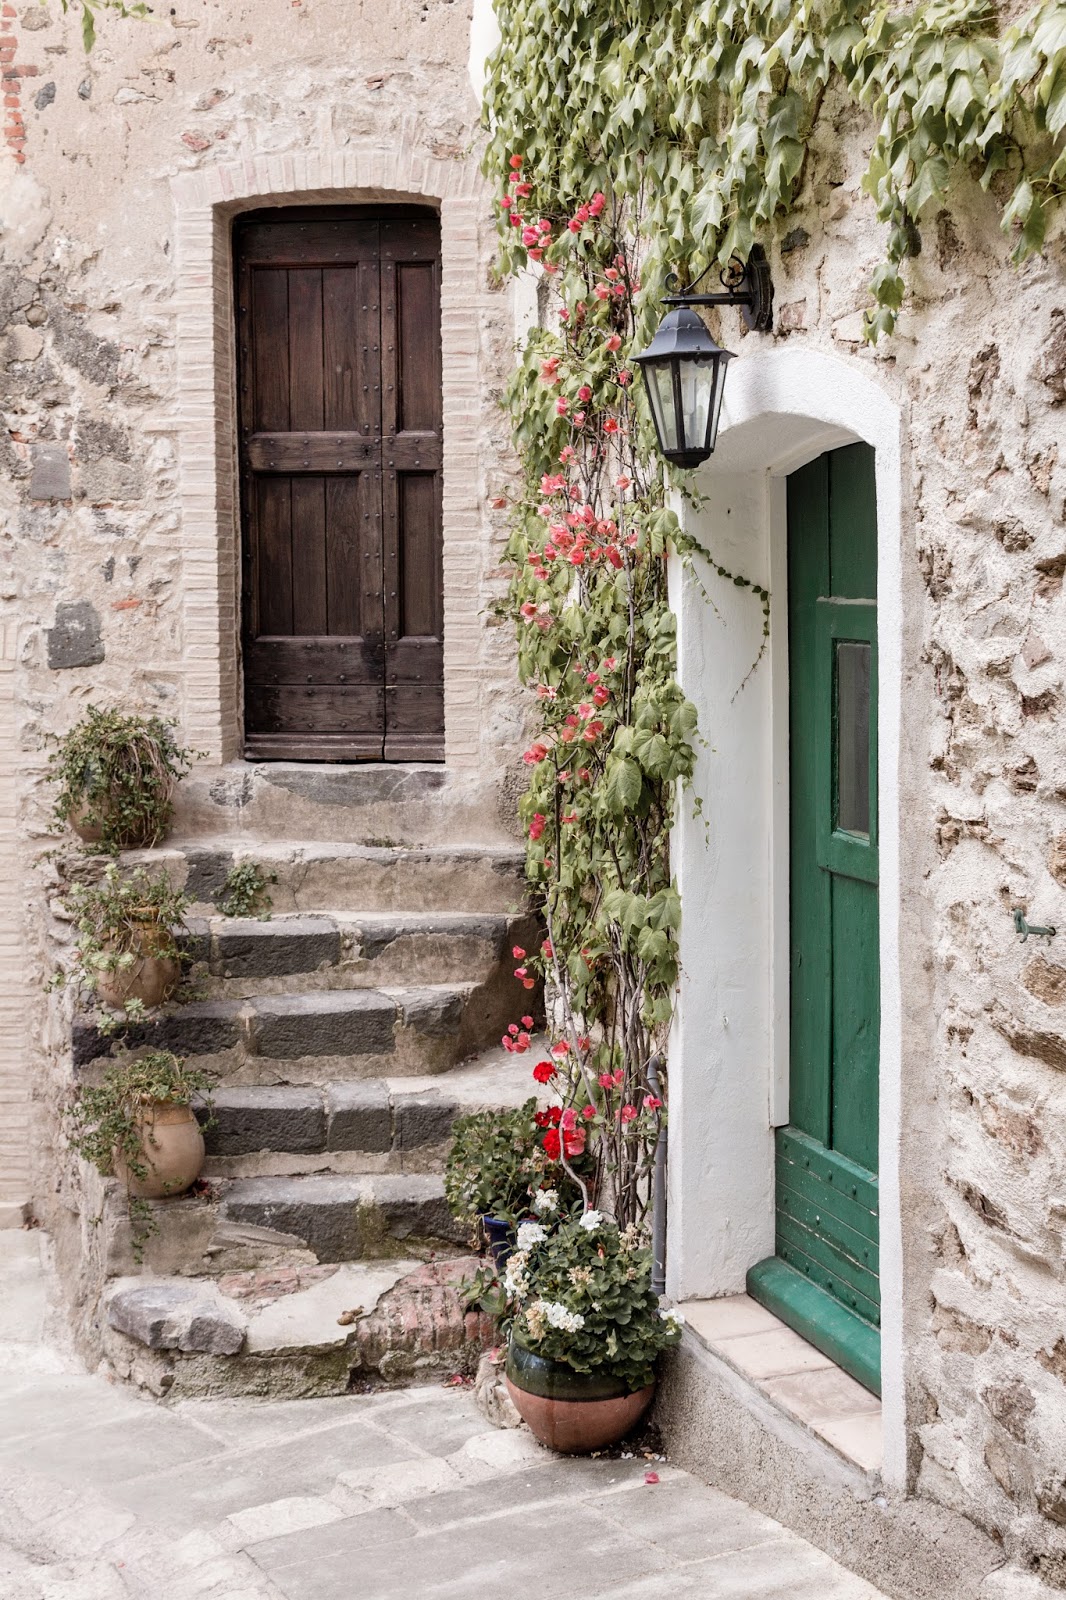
{"x":856,"y":1020}
{"x":304,"y":452}
{"x":273,"y":556}
{"x":420,"y":556}
{"x":350,"y":545}
{"x":309,"y":614}
{"x":418,"y":347}
{"x":811,"y":972}
{"x":853,"y":523}
{"x":305,"y":350}
{"x":270,"y":350}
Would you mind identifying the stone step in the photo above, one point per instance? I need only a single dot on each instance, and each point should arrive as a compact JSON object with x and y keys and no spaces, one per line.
{"x":245,"y":957}
{"x":362,"y":878}
{"x":359,"y":803}
{"x":319,"y":1037}
{"x":369,"y":1125}
{"x":252,"y":1224}
{"x":294,"y":1331}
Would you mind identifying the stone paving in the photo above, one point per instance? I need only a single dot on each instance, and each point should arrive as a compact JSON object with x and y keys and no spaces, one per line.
{"x":383,"y":1496}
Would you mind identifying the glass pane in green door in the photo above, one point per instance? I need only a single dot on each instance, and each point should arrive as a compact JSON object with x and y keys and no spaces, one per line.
{"x":853,"y":736}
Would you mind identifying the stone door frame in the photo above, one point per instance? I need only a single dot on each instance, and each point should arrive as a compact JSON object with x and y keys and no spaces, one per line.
{"x":729,"y":1048}
{"x":205,"y":204}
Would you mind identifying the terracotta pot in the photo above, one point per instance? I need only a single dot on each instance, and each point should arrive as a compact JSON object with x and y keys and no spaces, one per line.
{"x":173,"y":1152}
{"x":572,"y":1412}
{"x":151,"y":977}
{"x":78,"y":818}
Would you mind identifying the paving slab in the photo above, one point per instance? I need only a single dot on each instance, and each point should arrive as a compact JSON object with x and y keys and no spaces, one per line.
{"x":385,"y":1496}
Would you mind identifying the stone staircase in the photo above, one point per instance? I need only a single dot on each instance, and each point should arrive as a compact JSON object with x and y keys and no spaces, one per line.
{"x":346,"y":1034}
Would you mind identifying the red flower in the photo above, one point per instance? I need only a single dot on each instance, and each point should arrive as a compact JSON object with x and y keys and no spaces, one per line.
{"x":601,"y":694}
{"x":628,"y":1113}
{"x":652,"y":1102}
{"x":574,"y":1143}
{"x":543,"y":1072}
{"x":605,"y":1080}
{"x":536,"y":827}
{"x":527,"y":1022}
{"x":542,"y":1119}
{"x":624,"y":376}
{"x":516,"y":162}
{"x":552,"y":1144}
{"x":614,"y":342}
{"x":546,"y":949}
{"x":517,"y":952}
{"x":584,"y":393}
{"x":588,"y":1112}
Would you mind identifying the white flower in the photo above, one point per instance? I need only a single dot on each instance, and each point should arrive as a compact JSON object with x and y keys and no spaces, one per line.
{"x":674,"y":1318}
{"x":558,"y":1316}
{"x":529,"y":1234}
{"x":545,"y":1200}
{"x":514,"y":1278}
{"x":591,"y":1220}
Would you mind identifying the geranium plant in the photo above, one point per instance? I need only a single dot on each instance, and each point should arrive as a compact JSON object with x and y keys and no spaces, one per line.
{"x":495,"y":1163}
{"x":581,"y":1294}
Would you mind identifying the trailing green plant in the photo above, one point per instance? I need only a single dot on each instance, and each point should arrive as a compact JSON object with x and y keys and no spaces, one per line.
{"x":105,"y":1122}
{"x":581,"y":1294}
{"x":119,"y":921}
{"x":703,"y":114}
{"x":116,"y":773}
{"x":495,"y":1164}
{"x":246,"y":892}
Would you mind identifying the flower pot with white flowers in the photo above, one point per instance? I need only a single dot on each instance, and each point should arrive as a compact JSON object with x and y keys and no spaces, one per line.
{"x":586,"y":1333}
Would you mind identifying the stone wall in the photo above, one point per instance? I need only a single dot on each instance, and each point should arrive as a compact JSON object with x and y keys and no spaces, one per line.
{"x":978,"y":367}
{"x":107,"y":587}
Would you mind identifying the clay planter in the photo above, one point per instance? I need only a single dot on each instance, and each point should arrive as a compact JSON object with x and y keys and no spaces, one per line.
{"x":78,"y":819}
{"x":572,"y":1412}
{"x":150,"y":978}
{"x":173,"y":1152}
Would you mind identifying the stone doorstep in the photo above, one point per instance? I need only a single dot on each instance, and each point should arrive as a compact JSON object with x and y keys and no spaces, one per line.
{"x":330,"y":878}
{"x":798,"y":1379}
{"x":401,"y":1319}
{"x":335,"y":1023}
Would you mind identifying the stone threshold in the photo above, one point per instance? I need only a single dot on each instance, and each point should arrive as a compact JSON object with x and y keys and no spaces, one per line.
{"x":795,"y":1377}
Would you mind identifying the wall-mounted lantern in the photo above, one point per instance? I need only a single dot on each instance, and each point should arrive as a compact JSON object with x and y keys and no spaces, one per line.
{"x":684,"y":368}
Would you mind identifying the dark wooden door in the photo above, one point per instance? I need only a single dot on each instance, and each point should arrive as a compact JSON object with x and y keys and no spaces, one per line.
{"x":338,"y":316}
{"x":824,"y":1278}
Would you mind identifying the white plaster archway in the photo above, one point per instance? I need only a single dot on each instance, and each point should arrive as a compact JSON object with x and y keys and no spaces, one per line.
{"x":205,"y":204}
{"x":729,"y":1046}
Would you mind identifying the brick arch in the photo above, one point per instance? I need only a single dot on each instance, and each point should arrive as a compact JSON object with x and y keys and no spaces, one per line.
{"x":205,"y":203}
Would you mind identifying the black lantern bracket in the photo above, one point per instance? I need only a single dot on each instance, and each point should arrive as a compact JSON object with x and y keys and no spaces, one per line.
{"x":745,"y":284}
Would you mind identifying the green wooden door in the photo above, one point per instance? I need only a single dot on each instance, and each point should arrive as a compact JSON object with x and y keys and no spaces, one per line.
{"x":823,"y":1279}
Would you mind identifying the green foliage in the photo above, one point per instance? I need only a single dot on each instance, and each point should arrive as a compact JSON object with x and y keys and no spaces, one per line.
{"x":246,"y":892}
{"x":121,"y":920}
{"x":106,"y":1122}
{"x":494,"y":1164}
{"x":584,"y":1297}
{"x":702,"y":112}
{"x":116,"y":773}
{"x":89,"y":9}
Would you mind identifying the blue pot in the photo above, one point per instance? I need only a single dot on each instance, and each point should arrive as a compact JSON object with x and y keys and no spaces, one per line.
{"x":500,"y":1236}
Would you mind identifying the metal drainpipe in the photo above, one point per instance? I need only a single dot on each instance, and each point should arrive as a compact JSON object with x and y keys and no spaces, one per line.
{"x":658,"y":1192}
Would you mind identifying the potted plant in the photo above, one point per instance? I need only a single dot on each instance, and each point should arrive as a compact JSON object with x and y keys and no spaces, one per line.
{"x":495,"y":1163}
{"x":138,"y":1125}
{"x":586,"y":1331}
{"x":127,"y":950}
{"x":116,"y":777}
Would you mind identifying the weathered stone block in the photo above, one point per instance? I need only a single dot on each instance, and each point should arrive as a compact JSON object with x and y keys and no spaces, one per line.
{"x":50,"y":478}
{"x":358,"y":1116}
{"x":207,"y":872}
{"x":424,"y":1119}
{"x":268,"y":1118}
{"x":75,"y":639}
{"x":351,"y":1023}
{"x":276,"y":949}
{"x":177,"y":1316}
{"x":437,"y":1013}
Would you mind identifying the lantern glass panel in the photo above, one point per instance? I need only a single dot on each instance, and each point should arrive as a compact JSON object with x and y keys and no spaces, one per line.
{"x":697,"y":390}
{"x":661,"y":395}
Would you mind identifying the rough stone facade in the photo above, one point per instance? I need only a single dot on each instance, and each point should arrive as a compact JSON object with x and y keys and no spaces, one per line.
{"x":98,"y":594}
{"x":119,"y":575}
{"x":978,"y":368}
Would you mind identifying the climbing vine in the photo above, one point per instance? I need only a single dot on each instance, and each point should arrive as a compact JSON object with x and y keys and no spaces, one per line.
{"x":705,"y":112}
{"x":629,"y":138}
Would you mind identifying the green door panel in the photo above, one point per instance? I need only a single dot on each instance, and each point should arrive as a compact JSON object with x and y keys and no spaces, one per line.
{"x":823,"y":1279}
